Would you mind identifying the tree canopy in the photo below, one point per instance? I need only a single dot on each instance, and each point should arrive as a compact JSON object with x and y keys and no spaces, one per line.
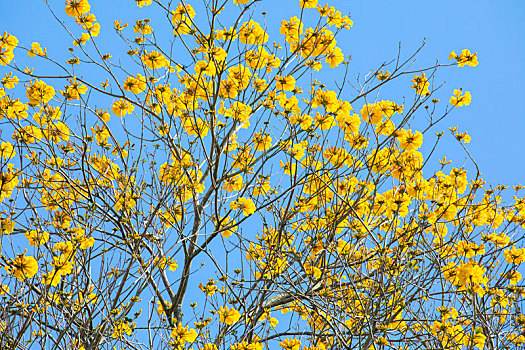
{"x":206,"y":182}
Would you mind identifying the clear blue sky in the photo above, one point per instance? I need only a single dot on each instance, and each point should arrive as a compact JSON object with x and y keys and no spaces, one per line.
{"x":496,"y":117}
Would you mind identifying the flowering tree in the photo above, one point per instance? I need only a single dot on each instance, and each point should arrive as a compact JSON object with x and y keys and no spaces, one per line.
{"x":200,"y":187}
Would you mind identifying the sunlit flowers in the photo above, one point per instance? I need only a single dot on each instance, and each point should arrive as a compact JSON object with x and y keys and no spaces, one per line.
{"x":135,"y":84}
{"x":226,"y":226}
{"x":409,"y":140}
{"x":184,"y":334}
{"x":7,"y":150}
{"x":233,"y":183}
{"x":245,"y":204}
{"x":228,"y":315}
{"x":182,"y":12}
{"x":286,"y":83}
{"x":73,"y":90}
{"x":10,"y":81}
{"x":239,"y":112}
{"x":515,"y":255}
{"x":421,"y":84}
{"x":154,"y":60}
{"x":75,"y":8}
{"x":39,"y":92}
{"x":309,"y":4}
{"x":121,"y":108}
{"x":37,"y":237}
{"x":252,"y":33}
{"x":459,"y":100}
{"x":465,"y":58}
{"x":122,"y":328}
{"x":8,"y":43}
{"x":36,"y":50}
{"x":290,"y":344}
{"x":23,"y":266}
{"x":262,"y":141}
{"x":141,"y":3}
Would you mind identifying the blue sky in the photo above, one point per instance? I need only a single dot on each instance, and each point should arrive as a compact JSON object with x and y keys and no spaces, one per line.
{"x":496,"y":117}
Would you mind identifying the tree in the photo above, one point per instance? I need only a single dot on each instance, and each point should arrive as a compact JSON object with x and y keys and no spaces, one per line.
{"x":212,"y":193}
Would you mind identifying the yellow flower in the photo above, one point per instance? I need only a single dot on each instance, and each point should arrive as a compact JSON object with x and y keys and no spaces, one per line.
{"x":182,"y":12}
{"x":228,"y":315}
{"x":8,"y":41}
{"x":52,"y":278}
{"x":74,"y":90}
{"x":233,"y":183}
{"x":196,"y":127}
{"x":7,"y":150}
{"x":75,"y":8}
{"x":9,"y":82}
{"x":135,"y":85}
{"x":227,"y":34}
{"x":103,"y":115}
{"x":289,"y":168}
{"x":119,"y":26}
{"x":160,"y":309}
{"x":142,"y":27}
{"x":290,"y":344}
{"x":262,"y":141}
{"x":39,"y":92}
{"x":226,"y":226}
{"x":121,"y":108}
{"x":209,"y":346}
{"x":210,"y":288}
{"x":4,"y":289}
{"x":85,"y":242}
{"x":36,"y":50}
{"x":122,"y":328}
{"x":154,"y":60}
{"x":141,"y":3}
{"x":64,"y":248}
{"x":23,"y":266}
{"x":457,"y":100}
{"x":324,"y":122}
{"x":308,"y":4}
{"x":305,"y":120}
{"x":36,"y":237}
{"x":251,"y":32}
{"x":239,"y":112}
{"x":334,"y":57}
{"x":6,"y":56}
{"x":465,"y":58}
{"x":7,"y":44}
{"x":286,"y":83}
{"x":82,"y":40}
{"x":514,"y":255}
{"x":245,"y":204}
{"x":292,"y":29}
{"x":262,"y":186}
{"x":410,"y":141}
{"x":421,"y":84}
{"x":62,"y":265}
{"x":183,"y":334}
{"x":463,"y":137}
{"x":479,"y":338}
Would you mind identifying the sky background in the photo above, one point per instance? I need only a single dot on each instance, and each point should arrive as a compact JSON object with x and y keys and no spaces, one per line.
{"x":496,"y":117}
